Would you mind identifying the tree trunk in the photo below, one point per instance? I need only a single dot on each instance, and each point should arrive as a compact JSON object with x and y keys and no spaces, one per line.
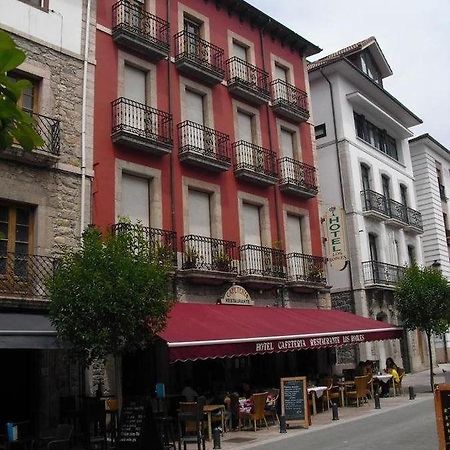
{"x":428,"y":333}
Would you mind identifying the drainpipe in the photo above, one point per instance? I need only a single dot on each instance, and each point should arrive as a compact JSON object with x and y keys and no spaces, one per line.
{"x":83,"y":118}
{"x":339,"y":167}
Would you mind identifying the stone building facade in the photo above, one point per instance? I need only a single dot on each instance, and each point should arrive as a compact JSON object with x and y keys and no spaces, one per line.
{"x":41,"y":195}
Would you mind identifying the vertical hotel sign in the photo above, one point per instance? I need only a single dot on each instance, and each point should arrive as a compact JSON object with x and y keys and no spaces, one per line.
{"x":336,"y":238}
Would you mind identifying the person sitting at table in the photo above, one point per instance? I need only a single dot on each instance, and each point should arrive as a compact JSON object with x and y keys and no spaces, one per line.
{"x":245,"y":390}
{"x":361,"y":369}
{"x":189,"y":393}
{"x":391,"y":369}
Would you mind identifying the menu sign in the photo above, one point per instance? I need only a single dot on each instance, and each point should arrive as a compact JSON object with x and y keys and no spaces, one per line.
{"x":442,"y":410}
{"x":137,"y":426}
{"x":294,"y":401}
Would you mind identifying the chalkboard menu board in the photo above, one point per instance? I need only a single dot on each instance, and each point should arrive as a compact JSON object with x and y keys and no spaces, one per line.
{"x":294,"y":400}
{"x":442,"y":410}
{"x":137,"y":427}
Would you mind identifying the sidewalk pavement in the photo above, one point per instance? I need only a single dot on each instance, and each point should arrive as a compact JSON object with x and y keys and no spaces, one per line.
{"x":420,"y":381}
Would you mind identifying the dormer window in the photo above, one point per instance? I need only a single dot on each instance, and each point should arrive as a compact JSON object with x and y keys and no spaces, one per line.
{"x":368,"y":66}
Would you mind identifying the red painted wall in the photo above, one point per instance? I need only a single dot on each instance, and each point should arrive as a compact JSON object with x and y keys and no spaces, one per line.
{"x":105,"y":152}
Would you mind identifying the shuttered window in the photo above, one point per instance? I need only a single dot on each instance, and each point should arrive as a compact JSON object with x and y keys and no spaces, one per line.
{"x":199,"y":213}
{"x":252,"y":224}
{"x":195,"y":107}
{"x":135,"y":84}
{"x":287,"y":143}
{"x":245,"y":127}
{"x":294,"y":234}
{"x":135,"y":201}
{"x":240,"y":51}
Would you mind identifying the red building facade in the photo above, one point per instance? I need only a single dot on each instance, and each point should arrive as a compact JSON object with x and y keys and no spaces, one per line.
{"x":202,"y":136}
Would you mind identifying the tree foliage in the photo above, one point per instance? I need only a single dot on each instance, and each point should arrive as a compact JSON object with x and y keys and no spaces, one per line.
{"x":15,"y":124}
{"x":422,"y":298}
{"x":111,"y":295}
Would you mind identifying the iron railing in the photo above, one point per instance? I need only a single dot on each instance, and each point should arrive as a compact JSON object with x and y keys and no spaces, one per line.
{"x":210,"y":254}
{"x":373,"y":201}
{"x":376,"y":272}
{"x":442,"y":192}
{"x":398,"y":211}
{"x":298,"y":173}
{"x":290,"y":96}
{"x":203,"y":140}
{"x":141,"y":120}
{"x":25,"y":276}
{"x":262,"y":261}
{"x":414,"y":218}
{"x":134,"y":19}
{"x":49,"y":130}
{"x":162,"y":243}
{"x":252,"y":157}
{"x":199,"y":52}
{"x":254,"y":78}
{"x":306,"y":268}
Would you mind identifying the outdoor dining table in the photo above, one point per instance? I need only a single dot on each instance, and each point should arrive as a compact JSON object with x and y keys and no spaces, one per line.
{"x":385,"y":378}
{"x":208,"y":410}
{"x":316,"y":392}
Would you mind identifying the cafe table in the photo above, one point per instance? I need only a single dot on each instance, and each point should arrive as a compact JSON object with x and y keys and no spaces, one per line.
{"x":316,"y":392}
{"x":385,"y":378}
{"x":208,"y":410}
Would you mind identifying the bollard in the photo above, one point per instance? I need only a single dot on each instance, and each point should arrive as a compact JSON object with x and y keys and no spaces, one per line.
{"x":376,"y":397}
{"x":335,"y":410}
{"x":216,"y":438}
{"x":283,"y":424}
{"x":412,"y":395}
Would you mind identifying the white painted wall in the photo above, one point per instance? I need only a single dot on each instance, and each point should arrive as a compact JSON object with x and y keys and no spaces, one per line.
{"x":61,"y":26}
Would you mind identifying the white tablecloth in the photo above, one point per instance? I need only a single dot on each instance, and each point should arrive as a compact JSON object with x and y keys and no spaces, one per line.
{"x":319,"y":390}
{"x":383,"y":378}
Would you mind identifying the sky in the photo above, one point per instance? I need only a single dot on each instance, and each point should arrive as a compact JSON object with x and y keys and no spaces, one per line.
{"x":414,"y":35}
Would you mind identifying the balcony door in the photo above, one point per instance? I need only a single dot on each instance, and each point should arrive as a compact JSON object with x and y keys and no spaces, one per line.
{"x":282,"y":73}
{"x":247,"y":155}
{"x":193,"y":46}
{"x":135,"y":199}
{"x":297,"y":264}
{"x":198,"y":138}
{"x":289,"y":170}
{"x":256,"y":259}
{"x":132,"y":15}
{"x":241,"y":70}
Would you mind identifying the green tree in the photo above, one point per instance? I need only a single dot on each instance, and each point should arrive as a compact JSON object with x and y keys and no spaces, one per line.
{"x":111,"y":295}
{"x":422,"y":298}
{"x":15,"y":124}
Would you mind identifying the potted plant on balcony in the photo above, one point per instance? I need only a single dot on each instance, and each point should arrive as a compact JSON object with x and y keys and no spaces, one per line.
{"x":222,"y":261}
{"x":190,"y":258}
{"x":315,"y":274}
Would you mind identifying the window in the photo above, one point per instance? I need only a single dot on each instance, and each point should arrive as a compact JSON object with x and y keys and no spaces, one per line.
{"x":252,"y":224}
{"x":404,"y":194}
{"x":365,"y":177}
{"x":16,"y":228}
{"x":320,"y":130}
{"x":368,"y":66}
{"x":373,"y":135}
{"x":281,"y":72}
{"x":240,"y":51}
{"x":192,"y":26}
{"x":135,"y":200}
{"x":411,"y":254}
{"x":288,"y":141}
{"x":386,"y":183}
{"x":199,"y":211}
{"x":135,"y":84}
{"x":294,"y":235}
{"x":246,"y":127}
{"x":195,"y":107}
{"x":29,"y":101}
{"x":373,"y":251}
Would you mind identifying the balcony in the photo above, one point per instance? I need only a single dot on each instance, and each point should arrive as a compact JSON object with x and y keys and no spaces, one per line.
{"x":139,"y":31}
{"x":199,"y":58}
{"x":442,"y":192}
{"x":297,"y":178}
{"x":247,"y":81}
{"x":161,"y":243}
{"x":381,"y":275}
{"x":374,"y":205}
{"x":402,"y":216}
{"x":305,"y":272}
{"x":48,"y":153}
{"x":262,"y":266}
{"x":204,"y":147}
{"x":289,"y":101}
{"x":254,"y":164}
{"x":141,"y":127}
{"x":210,"y":260}
{"x":24,"y":277}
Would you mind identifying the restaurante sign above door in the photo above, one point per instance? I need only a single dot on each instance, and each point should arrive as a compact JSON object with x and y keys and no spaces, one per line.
{"x":237,"y":295}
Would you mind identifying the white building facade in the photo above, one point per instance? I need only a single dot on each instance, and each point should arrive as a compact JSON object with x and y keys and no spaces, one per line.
{"x":365,"y":168}
{"x":431,"y":166}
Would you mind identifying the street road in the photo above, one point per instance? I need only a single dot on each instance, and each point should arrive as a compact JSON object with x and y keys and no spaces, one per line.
{"x":409,"y":428}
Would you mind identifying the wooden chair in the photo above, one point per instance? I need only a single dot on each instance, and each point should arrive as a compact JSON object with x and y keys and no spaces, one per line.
{"x":370,"y":389}
{"x":357,"y":392}
{"x":257,"y":413}
{"x":191,"y":424}
{"x":271,"y":409}
{"x":332,"y":394}
{"x":398,"y":386}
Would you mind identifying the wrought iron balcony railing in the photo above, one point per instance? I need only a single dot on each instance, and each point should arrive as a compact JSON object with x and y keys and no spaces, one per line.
{"x":141,"y":126}
{"x":262,"y":261}
{"x":49,"y":130}
{"x":306,"y":268}
{"x":298,"y":176}
{"x":442,"y":192}
{"x":193,"y":53}
{"x":247,"y":80}
{"x":208,"y":254}
{"x":414,"y":218}
{"x":373,"y":201}
{"x":25,"y":276}
{"x":162,"y":243}
{"x":205,"y":145}
{"x":398,"y":211}
{"x":251,"y":157}
{"x":137,"y":28}
{"x":376,"y":272}
{"x":289,"y":101}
